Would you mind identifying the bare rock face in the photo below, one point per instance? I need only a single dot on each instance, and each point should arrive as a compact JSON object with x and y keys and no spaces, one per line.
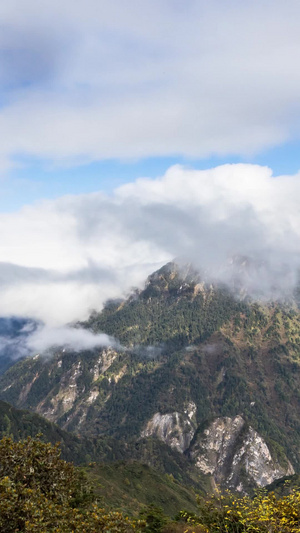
{"x":229,"y":450}
{"x":175,"y":429}
{"x":65,"y":397}
{"x":256,"y":458}
{"x":70,"y":399}
{"x":215,"y":445}
{"x":234,"y":453}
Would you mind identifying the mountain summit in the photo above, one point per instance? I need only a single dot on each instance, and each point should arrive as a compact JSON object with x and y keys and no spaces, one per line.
{"x":211,"y":378}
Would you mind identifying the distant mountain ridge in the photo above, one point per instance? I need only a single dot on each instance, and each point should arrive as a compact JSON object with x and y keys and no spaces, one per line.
{"x":198,"y":366}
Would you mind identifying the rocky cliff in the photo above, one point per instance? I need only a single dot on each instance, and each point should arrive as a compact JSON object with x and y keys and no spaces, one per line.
{"x":236,"y":455}
{"x":229,"y":450}
{"x":175,"y":429}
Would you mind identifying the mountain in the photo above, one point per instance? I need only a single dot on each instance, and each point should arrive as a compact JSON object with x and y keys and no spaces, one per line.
{"x":19,"y":424}
{"x":208,"y":381}
{"x":119,"y":482}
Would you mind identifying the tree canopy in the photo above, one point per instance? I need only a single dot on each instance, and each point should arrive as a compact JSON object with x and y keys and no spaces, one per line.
{"x":39,"y":492}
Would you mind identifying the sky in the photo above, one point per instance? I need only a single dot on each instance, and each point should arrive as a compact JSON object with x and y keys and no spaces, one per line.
{"x":135,"y":132}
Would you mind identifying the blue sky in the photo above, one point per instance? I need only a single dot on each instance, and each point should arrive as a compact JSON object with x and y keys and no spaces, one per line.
{"x":36,"y":180}
{"x":135,"y":132}
{"x":101,"y":93}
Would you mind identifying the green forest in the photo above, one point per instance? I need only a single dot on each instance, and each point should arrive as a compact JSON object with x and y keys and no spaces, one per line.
{"x":180,"y":342}
{"x":40,"y":492}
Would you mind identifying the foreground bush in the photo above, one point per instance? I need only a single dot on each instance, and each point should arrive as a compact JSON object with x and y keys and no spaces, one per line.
{"x":227,"y":513}
{"x":39,"y":492}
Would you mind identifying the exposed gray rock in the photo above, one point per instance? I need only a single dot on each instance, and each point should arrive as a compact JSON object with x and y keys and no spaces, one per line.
{"x":64,"y":399}
{"x":175,"y":429}
{"x":256,"y":458}
{"x":232,"y":452}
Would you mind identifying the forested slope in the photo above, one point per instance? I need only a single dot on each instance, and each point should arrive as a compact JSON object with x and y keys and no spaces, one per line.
{"x":193,"y":357}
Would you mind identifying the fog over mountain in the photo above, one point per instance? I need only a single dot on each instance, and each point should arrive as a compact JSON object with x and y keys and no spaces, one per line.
{"x":22,"y":338}
{"x":61,"y":258}
{"x":14,"y":335}
{"x":76,"y":339}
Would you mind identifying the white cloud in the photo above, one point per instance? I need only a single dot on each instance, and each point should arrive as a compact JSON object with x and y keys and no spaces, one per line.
{"x":59,"y":259}
{"x":99,"y":79}
{"x":36,"y":337}
{"x":74,"y":339}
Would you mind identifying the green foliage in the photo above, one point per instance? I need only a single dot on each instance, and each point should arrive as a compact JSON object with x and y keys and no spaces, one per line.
{"x":37,"y":466}
{"x":39,"y":492}
{"x":168,"y":311}
{"x":154,"y":517}
{"x":285,"y":485}
{"x":129,"y":486}
{"x":228,"y":513}
{"x":20,"y":424}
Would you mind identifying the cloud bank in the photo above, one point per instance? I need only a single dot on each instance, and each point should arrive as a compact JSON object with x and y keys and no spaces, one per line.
{"x":23,"y":338}
{"x":85,"y":81}
{"x":59,"y":259}
{"x":75,"y":339}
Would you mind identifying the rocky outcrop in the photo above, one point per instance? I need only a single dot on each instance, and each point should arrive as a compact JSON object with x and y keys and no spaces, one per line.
{"x":64,"y":399}
{"x":104,"y":361}
{"x":254,"y":455}
{"x":234,"y":453}
{"x":228,"y":449}
{"x":71,"y":399}
{"x":175,"y":429}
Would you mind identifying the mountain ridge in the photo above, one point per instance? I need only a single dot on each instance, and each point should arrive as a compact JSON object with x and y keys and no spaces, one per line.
{"x":186,"y":342}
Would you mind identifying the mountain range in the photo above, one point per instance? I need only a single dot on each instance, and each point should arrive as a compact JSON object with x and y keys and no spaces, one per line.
{"x":202,"y":384}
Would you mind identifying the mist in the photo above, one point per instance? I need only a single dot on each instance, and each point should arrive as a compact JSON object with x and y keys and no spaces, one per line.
{"x":75,"y":339}
{"x":237,"y":224}
{"x":21,"y":338}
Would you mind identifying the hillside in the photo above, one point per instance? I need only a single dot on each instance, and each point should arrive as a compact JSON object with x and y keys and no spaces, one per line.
{"x":120,"y":483}
{"x":19,"y":424}
{"x":197,"y":366}
{"x":129,"y":486}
